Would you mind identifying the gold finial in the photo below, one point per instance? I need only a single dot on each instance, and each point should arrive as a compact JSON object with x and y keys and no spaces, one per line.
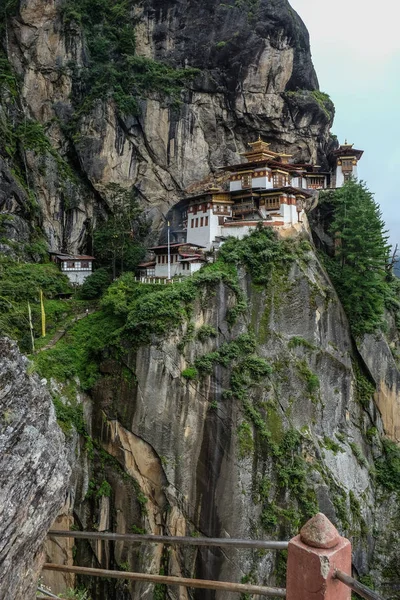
{"x":345,"y":142}
{"x":259,"y":137}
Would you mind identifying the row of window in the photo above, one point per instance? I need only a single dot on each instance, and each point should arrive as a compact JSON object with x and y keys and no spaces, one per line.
{"x":219,"y":208}
{"x":316,"y":180}
{"x":83,"y":264}
{"x":199,"y":208}
{"x":163,"y":259}
{"x":195,"y":222}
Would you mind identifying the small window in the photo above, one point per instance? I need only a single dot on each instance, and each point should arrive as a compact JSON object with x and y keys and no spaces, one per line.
{"x":206,"y":223}
{"x":202,"y":222}
{"x":192,"y":223}
{"x":246,"y":181}
{"x":197,"y":222}
{"x":163,"y":259}
{"x":70,"y":265}
{"x":84,"y":264}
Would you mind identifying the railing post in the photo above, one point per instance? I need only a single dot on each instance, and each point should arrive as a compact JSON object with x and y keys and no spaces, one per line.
{"x":313,"y":557}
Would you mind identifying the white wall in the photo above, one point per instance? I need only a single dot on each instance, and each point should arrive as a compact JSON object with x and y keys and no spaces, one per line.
{"x":77,"y":277}
{"x":204,"y":236}
{"x":339,"y":176}
{"x":285,"y":210}
{"x":235,"y":186}
{"x":161,"y":269}
{"x":262,"y":182}
{"x":194,"y":266}
{"x":299,"y":182}
{"x":177,"y":269}
{"x":237,"y":232}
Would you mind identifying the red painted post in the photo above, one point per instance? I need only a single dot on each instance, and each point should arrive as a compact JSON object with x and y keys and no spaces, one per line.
{"x":313,"y":557}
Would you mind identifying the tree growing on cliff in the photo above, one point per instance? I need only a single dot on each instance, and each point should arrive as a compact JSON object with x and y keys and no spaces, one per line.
{"x":358,"y":268}
{"x":118,"y":240}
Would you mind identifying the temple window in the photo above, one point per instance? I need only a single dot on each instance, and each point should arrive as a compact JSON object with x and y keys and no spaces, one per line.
{"x":246,"y":181}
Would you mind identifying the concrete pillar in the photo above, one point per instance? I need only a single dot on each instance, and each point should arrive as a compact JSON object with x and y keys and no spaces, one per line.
{"x":313,"y":557}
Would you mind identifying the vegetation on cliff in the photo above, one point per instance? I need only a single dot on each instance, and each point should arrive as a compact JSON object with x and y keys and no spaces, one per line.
{"x":113,"y":68}
{"x":359,"y":266}
{"x":21,"y":283}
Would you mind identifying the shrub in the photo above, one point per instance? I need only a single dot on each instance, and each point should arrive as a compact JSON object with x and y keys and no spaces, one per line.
{"x":190,"y":373}
{"x":206,"y":331}
{"x":388,"y":466}
{"x":95,"y":285}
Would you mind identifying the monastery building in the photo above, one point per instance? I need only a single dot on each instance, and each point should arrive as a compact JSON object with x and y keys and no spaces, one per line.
{"x":266,"y":188}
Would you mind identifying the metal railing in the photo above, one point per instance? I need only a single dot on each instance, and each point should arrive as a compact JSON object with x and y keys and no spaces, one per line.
{"x":360,"y":589}
{"x":164,"y":539}
{"x":240,"y":588}
{"x":205,"y":584}
{"x":160,"y":280}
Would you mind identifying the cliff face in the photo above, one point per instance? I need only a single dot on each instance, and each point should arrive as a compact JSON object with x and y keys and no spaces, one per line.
{"x":34,"y":469}
{"x":278,"y":422}
{"x":255,"y":76}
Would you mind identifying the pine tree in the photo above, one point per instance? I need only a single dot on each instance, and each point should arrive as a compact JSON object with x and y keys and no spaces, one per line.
{"x":358,"y":269}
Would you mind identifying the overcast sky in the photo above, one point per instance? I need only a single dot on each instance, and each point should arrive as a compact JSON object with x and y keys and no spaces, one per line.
{"x":356,"y":52}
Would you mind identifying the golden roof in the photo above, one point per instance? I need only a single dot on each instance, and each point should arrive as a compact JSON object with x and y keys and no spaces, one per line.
{"x":260,"y":151}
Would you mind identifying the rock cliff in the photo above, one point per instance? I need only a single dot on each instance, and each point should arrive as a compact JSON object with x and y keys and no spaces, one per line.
{"x":242,"y":421}
{"x":253,"y":76}
{"x":35,"y":473}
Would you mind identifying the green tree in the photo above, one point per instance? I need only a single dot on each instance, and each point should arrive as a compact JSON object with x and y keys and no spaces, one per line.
{"x":358,"y":268}
{"x":118,"y":240}
{"x":95,"y":284}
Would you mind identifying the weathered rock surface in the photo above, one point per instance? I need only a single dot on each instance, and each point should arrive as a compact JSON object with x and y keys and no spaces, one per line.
{"x":256,"y":77}
{"x":190,"y":457}
{"x":34,"y":470}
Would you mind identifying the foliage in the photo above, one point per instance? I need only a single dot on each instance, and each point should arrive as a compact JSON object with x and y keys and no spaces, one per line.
{"x":311,"y":380}
{"x":118,"y":240}
{"x":21,"y":283}
{"x":75,"y":594}
{"x":7,"y":78}
{"x":388,"y":466}
{"x":245,"y":439}
{"x":358,"y":454}
{"x":69,"y":414}
{"x":332,"y":445}
{"x":364,"y":389}
{"x":113,"y":67}
{"x":79,"y":352}
{"x":98,"y":489}
{"x":358,"y":269}
{"x":95,"y":285}
{"x":260,"y":252}
{"x":324,"y":102}
{"x":206,"y":331}
{"x":297,"y":341}
{"x":190,"y":373}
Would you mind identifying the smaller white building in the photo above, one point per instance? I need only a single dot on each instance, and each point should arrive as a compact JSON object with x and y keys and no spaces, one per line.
{"x":346,"y":162}
{"x":185,"y":259}
{"x":75,"y":266}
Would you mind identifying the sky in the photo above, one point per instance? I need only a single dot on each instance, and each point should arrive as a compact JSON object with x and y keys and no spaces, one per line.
{"x":355,"y":47}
